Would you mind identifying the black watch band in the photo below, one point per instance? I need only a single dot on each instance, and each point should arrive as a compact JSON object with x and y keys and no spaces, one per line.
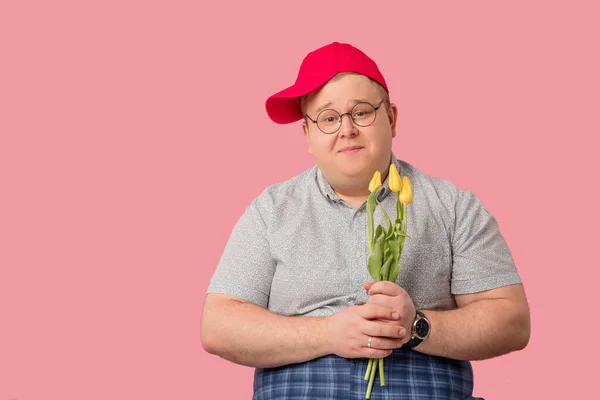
{"x":420,"y":331}
{"x":412,"y":343}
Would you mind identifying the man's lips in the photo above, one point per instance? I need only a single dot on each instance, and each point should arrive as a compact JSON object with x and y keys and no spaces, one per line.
{"x":350,"y":149}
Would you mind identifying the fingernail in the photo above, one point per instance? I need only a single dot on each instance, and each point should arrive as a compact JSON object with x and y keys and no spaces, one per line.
{"x":395,"y":315}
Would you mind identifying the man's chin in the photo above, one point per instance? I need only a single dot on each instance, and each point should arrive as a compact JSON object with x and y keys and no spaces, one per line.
{"x":360,"y":174}
{"x":357,"y":178}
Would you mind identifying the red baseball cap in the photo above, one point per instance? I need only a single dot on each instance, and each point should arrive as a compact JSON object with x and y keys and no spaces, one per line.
{"x":317,"y":68}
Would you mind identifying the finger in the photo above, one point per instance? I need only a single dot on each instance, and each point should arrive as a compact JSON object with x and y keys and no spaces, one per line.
{"x":376,"y":311}
{"x":372,"y":328}
{"x":366,"y":352}
{"x":397,"y":303}
{"x":383,"y":300}
{"x":367,"y":285}
{"x":385,"y":287}
{"x":380,"y":343}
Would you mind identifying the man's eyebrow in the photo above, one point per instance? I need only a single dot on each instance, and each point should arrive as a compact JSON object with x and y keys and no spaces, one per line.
{"x":355,"y":101}
{"x":324,"y":106}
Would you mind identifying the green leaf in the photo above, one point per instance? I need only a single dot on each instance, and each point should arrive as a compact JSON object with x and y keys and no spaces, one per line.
{"x":387,"y":251}
{"x":371,"y":201}
{"x":376,"y":260}
{"x":387,"y":217}
{"x":390,"y":232}
{"x":378,"y":232}
{"x":394,"y":272}
{"x":374,"y":268}
{"x":387,"y":255}
{"x":403,"y":234}
{"x":370,"y":208}
{"x":385,"y":270}
{"x":395,"y":255}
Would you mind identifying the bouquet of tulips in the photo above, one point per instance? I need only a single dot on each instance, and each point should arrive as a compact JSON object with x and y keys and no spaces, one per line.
{"x":385,"y":246}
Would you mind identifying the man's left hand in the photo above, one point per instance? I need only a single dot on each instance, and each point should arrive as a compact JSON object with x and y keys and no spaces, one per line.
{"x":391,"y":295}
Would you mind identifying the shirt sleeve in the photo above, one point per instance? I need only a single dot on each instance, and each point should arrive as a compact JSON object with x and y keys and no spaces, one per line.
{"x":246,"y":267}
{"x":481,"y":258}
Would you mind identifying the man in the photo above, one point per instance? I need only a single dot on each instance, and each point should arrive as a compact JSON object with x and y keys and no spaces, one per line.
{"x":292,"y":296}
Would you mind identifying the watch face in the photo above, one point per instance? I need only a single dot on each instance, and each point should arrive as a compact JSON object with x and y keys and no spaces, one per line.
{"x":421,"y":328}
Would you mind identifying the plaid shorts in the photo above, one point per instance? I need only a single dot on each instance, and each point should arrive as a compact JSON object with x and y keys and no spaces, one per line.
{"x":409,"y":375}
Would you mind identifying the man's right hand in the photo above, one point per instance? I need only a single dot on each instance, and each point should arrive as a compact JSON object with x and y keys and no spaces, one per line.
{"x":348,"y":332}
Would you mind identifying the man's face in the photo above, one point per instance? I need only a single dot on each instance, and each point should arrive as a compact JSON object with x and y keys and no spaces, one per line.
{"x":350,"y":157}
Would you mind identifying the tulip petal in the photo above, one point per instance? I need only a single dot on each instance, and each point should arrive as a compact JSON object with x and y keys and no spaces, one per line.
{"x":395,"y":183}
{"x":375,"y":181}
{"x":406,"y":192}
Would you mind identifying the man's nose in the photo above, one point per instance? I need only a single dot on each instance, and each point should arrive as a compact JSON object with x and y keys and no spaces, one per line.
{"x":348,"y":128}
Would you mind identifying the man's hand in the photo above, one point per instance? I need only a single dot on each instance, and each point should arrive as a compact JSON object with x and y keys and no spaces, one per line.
{"x":389,"y":294}
{"x":349,"y":331}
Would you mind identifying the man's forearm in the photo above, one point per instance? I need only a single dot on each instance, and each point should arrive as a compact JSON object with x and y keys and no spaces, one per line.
{"x":255,"y":337}
{"x":480,"y":330}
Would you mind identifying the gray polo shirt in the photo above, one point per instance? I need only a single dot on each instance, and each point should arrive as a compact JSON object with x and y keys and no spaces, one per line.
{"x":299,"y":249}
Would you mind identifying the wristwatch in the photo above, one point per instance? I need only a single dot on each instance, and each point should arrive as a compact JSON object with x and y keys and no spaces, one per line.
{"x":420,"y":330}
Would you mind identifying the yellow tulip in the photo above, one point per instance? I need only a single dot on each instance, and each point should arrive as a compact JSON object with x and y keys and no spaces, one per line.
{"x":395,"y":182}
{"x":375,"y":182}
{"x":405,"y":195}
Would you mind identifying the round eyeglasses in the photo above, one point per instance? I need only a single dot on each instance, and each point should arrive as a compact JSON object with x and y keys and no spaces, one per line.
{"x":330,"y":121}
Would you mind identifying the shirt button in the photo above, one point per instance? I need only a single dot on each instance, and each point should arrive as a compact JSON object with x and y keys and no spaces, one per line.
{"x":358,"y":254}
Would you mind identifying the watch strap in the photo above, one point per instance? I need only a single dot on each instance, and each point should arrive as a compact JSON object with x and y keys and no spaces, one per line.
{"x":415,"y":340}
{"x":412,"y":343}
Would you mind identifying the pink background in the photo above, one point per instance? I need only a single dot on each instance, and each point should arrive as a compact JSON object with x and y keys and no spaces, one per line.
{"x":133,"y":135}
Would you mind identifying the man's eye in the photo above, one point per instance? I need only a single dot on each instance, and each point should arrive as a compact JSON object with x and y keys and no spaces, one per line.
{"x":362,"y":114}
{"x":329,"y":119}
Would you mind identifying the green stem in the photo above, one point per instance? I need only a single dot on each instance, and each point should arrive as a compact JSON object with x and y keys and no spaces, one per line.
{"x":405,"y":217}
{"x":370,"y":229}
{"x":371,"y":378}
{"x":381,"y":373}
{"x":368,"y":369}
{"x":370,"y":211}
{"x":404,"y":225}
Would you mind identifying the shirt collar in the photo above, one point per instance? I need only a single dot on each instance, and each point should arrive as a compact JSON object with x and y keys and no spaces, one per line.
{"x":330,"y":194}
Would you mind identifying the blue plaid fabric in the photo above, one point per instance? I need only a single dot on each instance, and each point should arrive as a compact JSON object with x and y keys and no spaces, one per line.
{"x":409,"y":375}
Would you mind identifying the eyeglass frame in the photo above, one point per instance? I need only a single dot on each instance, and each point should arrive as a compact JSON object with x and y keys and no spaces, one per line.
{"x":315,"y":121}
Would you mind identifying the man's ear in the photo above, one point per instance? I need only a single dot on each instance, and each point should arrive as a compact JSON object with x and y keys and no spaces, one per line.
{"x":393,"y":117}
{"x":306,"y":135}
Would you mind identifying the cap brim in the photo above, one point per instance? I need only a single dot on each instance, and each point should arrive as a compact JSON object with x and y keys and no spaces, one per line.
{"x":284,"y":107}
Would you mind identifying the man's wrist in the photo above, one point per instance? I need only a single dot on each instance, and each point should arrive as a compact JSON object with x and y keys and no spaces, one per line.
{"x":421,"y":328}
{"x":324,"y":342}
